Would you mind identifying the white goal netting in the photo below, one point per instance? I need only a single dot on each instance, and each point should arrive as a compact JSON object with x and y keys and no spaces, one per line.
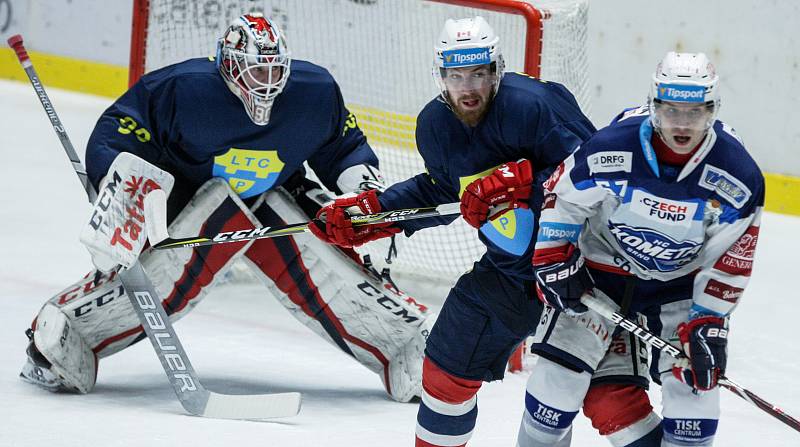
{"x":381,"y":54}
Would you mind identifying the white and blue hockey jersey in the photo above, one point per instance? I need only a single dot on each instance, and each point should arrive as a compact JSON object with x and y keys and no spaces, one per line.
{"x":632,"y":215}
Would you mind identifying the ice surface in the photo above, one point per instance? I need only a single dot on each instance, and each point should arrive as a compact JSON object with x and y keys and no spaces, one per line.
{"x":242,"y":341}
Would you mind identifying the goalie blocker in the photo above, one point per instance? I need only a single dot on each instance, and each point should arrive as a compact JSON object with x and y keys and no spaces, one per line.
{"x":322,"y":286}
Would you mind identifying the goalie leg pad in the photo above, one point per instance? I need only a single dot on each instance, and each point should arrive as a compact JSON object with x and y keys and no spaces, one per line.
{"x":96,"y":307}
{"x":333,"y":295}
{"x":72,"y":362}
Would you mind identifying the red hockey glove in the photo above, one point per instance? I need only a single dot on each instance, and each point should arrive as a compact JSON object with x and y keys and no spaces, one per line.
{"x":510,"y":183}
{"x":705,"y":342}
{"x":337,"y":229}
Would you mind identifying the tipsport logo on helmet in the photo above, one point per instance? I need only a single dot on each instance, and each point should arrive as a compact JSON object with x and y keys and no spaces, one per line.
{"x":681,"y":93}
{"x":465,"y":57}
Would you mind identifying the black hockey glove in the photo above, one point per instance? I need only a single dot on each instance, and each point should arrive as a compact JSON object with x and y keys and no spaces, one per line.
{"x":562,"y":278}
{"x":705,"y":342}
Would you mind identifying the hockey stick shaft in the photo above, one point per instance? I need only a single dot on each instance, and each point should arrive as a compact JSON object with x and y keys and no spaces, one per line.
{"x":17,"y":44}
{"x":292,"y":229}
{"x":608,"y":312}
{"x":144,"y":299}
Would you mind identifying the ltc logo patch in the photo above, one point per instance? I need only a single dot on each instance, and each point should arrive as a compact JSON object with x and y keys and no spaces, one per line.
{"x":248,"y":172}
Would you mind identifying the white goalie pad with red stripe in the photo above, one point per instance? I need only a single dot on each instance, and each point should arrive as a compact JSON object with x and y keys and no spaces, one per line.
{"x":336,"y":297}
{"x":96,"y":305}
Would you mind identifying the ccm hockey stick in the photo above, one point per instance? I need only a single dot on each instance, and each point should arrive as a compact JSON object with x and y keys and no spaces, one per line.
{"x":608,"y":312}
{"x":159,"y":229}
{"x":194,"y":397}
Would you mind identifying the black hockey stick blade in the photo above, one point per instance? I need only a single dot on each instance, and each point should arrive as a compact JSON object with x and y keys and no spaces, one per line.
{"x":194,"y":397}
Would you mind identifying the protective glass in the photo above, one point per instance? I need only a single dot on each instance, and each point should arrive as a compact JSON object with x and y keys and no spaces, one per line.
{"x":676,"y":115}
{"x":460,"y":81}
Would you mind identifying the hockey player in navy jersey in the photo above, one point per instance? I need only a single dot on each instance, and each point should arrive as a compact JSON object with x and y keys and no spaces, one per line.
{"x":489,"y":140}
{"x":658,"y":213}
{"x":226,"y":138}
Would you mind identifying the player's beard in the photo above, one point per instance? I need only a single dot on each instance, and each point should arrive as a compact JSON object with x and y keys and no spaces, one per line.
{"x":473,"y":115}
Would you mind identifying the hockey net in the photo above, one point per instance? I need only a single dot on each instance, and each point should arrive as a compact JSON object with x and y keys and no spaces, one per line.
{"x":381,"y":54}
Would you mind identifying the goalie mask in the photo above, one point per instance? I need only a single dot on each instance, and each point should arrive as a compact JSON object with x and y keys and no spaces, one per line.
{"x":254,"y":62}
{"x":684,"y":98}
{"x":468,"y":64}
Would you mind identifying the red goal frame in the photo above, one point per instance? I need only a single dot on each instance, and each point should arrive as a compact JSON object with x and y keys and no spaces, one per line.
{"x":531,"y":15}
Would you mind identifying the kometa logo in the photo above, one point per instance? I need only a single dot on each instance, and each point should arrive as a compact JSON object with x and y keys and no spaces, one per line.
{"x":654,"y":250}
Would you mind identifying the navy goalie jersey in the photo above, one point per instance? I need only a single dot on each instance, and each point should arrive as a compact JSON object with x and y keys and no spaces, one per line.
{"x":527,"y":119}
{"x":185,"y":120}
{"x":630,"y":214}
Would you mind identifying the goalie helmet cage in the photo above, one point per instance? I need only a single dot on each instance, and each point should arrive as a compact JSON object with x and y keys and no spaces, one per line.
{"x":381,"y":54}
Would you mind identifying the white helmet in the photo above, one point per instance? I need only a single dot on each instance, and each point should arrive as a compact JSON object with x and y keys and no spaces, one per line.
{"x":688,"y":78}
{"x":254,"y":62}
{"x":464,"y":43}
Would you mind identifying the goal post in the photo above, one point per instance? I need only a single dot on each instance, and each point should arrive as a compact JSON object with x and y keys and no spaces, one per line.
{"x":381,"y":54}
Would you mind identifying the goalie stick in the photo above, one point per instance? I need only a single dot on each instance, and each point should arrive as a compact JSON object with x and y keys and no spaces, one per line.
{"x":193,"y":396}
{"x":608,"y":312}
{"x":159,"y":228}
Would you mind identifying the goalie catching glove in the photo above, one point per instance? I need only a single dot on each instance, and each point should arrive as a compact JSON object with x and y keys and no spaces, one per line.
{"x":510,"y":183}
{"x":116,"y":231}
{"x":705,"y":342}
{"x":336,"y":228}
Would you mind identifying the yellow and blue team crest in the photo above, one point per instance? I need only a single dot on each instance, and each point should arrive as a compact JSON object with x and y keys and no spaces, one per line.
{"x":512,"y":231}
{"x":248,"y":172}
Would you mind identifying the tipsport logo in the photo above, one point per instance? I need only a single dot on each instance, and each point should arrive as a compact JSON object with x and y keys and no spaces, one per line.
{"x":465,"y":57}
{"x":681,"y":93}
{"x":554,"y":231}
